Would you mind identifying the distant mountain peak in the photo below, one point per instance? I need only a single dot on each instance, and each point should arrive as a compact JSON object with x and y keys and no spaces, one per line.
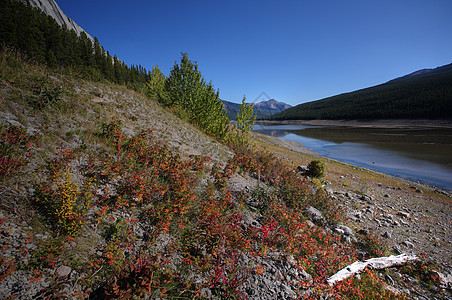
{"x":262,"y":109}
{"x":272,"y":104}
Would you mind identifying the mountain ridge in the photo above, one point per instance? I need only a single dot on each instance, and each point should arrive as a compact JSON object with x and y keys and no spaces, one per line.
{"x":418,"y":73}
{"x":423,"y":94}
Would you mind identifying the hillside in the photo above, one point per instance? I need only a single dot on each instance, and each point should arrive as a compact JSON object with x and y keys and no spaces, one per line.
{"x":426,"y":94}
{"x":110,"y":193}
{"x":262,"y":109}
{"x":103,"y":189}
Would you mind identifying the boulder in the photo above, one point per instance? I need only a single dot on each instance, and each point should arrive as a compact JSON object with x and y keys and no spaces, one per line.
{"x":347,"y":230}
{"x":63,"y":271}
{"x":314,"y":214}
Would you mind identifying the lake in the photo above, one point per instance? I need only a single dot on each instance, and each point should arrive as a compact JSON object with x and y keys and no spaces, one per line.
{"x":417,"y":154}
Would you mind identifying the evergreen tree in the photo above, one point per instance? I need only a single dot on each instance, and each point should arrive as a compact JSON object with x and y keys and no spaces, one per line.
{"x":188,"y":90}
{"x":109,"y":68}
{"x":118,"y":76}
{"x":155,"y":87}
{"x":245,"y":121}
{"x":246,"y":117}
{"x":51,"y":59}
{"x":98,"y":55}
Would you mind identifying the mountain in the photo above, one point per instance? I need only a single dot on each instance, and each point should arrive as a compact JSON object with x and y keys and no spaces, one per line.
{"x":417,"y":73}
{"x":426,"y":93}
{"x":272,"y":106}
{"x":51,"y":8}
{"x":261,"y":109}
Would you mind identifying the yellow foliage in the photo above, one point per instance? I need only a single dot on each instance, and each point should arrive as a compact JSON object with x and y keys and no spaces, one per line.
{"x":72,"y":202}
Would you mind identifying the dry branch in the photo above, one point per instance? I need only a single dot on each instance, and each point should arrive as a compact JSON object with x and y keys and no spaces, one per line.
{"x":374,"y":263}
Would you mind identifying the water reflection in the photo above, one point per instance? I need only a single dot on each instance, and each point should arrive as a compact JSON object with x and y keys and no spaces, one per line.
{"x":416,"y":154}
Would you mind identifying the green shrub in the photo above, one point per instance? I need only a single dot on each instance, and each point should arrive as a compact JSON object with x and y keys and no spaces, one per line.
{"x":45,"y":94}
{"x":316,"y":168}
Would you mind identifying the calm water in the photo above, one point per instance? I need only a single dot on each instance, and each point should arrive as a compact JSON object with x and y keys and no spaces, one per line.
{"x":423,"y":155}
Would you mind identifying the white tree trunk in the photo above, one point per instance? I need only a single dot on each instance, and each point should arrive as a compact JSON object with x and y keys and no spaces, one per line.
{"x":374,"y":263}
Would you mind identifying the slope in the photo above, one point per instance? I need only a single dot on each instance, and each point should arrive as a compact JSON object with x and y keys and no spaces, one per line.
{"x":104,"y":192}
{"x":426,"y":95}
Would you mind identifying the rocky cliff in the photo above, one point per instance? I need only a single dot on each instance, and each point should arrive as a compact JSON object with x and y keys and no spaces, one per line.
{"x":51,"y":8}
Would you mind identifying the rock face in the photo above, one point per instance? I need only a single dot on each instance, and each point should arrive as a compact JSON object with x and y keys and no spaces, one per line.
{"x":50,"y":8}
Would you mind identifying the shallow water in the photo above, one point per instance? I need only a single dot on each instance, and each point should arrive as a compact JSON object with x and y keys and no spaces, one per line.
{"x":417,"y":154}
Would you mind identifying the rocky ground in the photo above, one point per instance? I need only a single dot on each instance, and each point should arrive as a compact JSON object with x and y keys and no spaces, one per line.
{"x":408,"y":217}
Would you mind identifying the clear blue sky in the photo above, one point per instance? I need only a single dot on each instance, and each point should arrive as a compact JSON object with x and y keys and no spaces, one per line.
{"x":294,"y":51}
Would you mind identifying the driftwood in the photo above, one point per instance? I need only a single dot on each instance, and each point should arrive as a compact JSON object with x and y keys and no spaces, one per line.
{"x":374,"y":263}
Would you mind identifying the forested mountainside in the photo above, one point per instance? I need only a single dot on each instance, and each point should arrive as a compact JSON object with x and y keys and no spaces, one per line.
{"x":426,"y":94}
{"x":40,"y":37}
{"x":51,"y":8}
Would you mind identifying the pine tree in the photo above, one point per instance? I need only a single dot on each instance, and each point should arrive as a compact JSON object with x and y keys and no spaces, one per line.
{"x":98,"y":55}
{"x":188,"y":90}
{"x":51,"y":59}
{"x":245,"y":121}
{"x":109,"y":68}
{"x":118,"y":76}
{"x":155,"y":87}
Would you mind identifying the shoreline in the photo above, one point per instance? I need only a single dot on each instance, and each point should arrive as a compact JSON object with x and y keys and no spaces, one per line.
{"x":407,"y":216}
{"x":370,"y":123}
{"x":298,"y":147}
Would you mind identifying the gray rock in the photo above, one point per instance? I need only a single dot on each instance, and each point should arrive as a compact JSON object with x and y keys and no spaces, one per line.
{"x":63,"y":271}
{"x":314,"y":214}
{"x":306,"y":276}
{"x":408,"y":244}
{"x":302,"y":169}
{"x":329,"y":190}
{"x":206,"y":292}
{"x":338,"y":230}
{"x":403,"y":214}
{"x":346,"y":239}
{"x":347,"y":230}
{"x":354,"y":215}
{"x":446,"y":280}
{"x":366,"y":198}
{"x":310,"y":224}
{"x":387,"y":235}
{"x":291,"y":260}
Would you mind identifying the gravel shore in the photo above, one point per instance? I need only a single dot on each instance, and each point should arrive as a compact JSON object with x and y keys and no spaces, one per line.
{"x":374,"y":123}
{"x":407,"y":216}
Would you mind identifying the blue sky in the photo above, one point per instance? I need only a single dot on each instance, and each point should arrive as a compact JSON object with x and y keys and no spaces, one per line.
{"x":294,"y":51}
